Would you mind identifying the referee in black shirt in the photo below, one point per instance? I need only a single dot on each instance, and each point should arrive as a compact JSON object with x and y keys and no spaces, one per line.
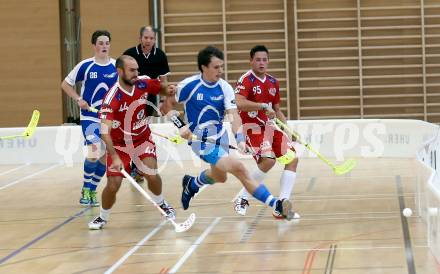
{"x":152,"y":61}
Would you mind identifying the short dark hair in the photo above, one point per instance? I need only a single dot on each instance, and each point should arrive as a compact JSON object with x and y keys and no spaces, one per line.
{"x":204,"y":56}
{"x":98,"y":33}
{"x":258,"y":48}
{"x":120,"y":62}
{"x":144,"y":28}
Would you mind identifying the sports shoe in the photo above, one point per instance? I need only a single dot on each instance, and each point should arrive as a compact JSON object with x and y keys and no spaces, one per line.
{"x":187,"y":194}
{"x":135,"y":174}
{"x":283,"y":210}
{"x":169,"y":210}
{"x":138,"y":178}
{"x":241,"y":206}
{"x":85,"y":197}
{"x":93,"y":198}
{"x":277,"y":215}
{"x":97,"y":223}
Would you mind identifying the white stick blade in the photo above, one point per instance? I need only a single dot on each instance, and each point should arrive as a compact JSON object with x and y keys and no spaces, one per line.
{"x":187,"y":224}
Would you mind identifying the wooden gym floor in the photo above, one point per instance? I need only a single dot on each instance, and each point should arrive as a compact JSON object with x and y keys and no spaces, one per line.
{"x":350,"y":224}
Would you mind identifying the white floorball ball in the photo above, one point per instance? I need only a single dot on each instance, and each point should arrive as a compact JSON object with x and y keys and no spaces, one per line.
{"x":407,"y":212}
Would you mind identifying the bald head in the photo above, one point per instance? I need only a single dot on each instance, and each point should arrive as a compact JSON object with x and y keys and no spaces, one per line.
{"x":122,"y":60}
{"x":127,"y":69}
{"x":146,"y":29}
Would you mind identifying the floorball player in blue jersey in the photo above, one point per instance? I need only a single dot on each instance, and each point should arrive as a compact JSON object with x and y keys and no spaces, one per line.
{"x":95,"y":75}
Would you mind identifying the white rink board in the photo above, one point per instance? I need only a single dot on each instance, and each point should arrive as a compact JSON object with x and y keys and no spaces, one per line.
{"x":333,"y":138}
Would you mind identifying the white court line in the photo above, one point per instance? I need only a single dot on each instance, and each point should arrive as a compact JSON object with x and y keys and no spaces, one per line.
{"x":308,"y":249}
{"x":29,"y":176}
{"x":136,"y":247}
{"x":335,"y":196}
{"x":156,"y":253}
{"x":194,"y":246}
{"x":348,"y":199}
{"x":14,"y":169}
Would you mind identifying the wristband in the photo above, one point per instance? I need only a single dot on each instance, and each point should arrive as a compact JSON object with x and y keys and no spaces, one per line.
{"x":264,"y":106}
{"x":177,"y":121}
{"x":239,"y":137}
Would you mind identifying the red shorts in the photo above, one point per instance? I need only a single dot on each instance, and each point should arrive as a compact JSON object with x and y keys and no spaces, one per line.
{"x":136,"y":152}
{"x":268,"y":142}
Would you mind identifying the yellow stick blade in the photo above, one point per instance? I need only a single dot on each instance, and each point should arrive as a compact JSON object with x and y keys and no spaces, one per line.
{"x":345,"y":167}
{"x":287,"y":158}
{"x":177,"y":139}
{"x":32,"y":124}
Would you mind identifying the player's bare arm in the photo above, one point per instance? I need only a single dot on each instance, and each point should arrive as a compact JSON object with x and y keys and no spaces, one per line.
{"x":184,"y":130}
{"x":237,"y":128}
{"x":169,"y":101}
{"x":244,"y":104}
{"x":165,"y":89}
{"x":279,"y":113}
{"x":68,"y":89}
{"x":106,"y":127}
{"x":234,"y":118}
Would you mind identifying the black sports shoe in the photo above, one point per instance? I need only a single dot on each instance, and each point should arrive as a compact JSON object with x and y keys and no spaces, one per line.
{"x":135,"y":174}
{"x":187,"y":194}
{"x":284,"y":207}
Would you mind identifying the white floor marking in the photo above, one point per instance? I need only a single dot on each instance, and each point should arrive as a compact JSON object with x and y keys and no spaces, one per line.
{"x":29,"y":176}
{"x":133,"y":250}
{"x":308,"y":249}
{"x":14,"y":169}
{"x":194,"y":246}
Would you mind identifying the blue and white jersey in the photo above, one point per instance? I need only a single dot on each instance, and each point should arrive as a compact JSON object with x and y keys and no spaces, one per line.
{"x":205,"y":105}
{"x":96,"y":79}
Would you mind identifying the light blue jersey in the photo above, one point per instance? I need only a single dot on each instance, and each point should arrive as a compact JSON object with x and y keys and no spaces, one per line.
{"x":205,"y":105}
{"x":96,"y":79}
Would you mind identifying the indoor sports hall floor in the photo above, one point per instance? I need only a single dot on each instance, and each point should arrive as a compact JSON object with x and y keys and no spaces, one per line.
{"x":350,"y":224}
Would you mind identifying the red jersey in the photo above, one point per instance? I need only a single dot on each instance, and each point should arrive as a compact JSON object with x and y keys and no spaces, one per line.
{"x":126,"y":109}
{"x":255,"y":89}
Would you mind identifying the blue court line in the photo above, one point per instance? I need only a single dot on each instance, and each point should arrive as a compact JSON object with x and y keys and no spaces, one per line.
{"x":42,"y":236}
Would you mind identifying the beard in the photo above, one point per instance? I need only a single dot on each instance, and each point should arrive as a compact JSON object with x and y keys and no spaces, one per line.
{"x":128,"y":82}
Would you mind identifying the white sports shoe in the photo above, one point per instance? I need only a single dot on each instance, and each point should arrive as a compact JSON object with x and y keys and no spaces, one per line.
{"x":97,"y":223}
{"x":241,"y":205}
{"x":169,"y":210}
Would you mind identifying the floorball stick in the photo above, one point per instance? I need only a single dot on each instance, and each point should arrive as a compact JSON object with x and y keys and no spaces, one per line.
{"x":178,"y":227}
{"x":30,"y":129}
{"x":341,"y":169}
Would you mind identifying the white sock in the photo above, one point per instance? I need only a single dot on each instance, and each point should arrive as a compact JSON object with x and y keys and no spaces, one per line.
{"x":258,"y":176}
{"x":286,"y":183}
{"x":104,"y":214}
{"x":158,"y":199}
